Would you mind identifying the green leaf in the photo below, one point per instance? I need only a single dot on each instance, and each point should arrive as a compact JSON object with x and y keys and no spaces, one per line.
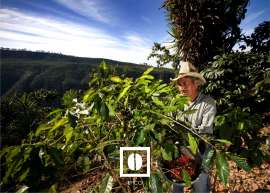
{"x":208,"y":159}
{"x":150,"y":127}
{"x":107,"y":184}
{"x":123,"y":92}
{"x":116,"y":79}
{"x":158,"y":137}
{"x":84,"y":163}
{"x":89,"y":94}
{"x":222,"y":167}
{"x":164,"y":121}
{"x":140,"y":137}
{"x":27,"y":152}
{"x":3,"y":151}
{"x":42,"y":127}
{"x":157,"y":101}
{"x":149,"y":77}
{"x":128,"y":81}
{"x":53,"y":189}
{"x":220,"y":120}
{"x":179,"y":100}
{"x":224,"y":141}
{"x":148,"y":71}
{"x":111,"y":109}
{"x":68,"y":133}
{"x":169,"y":109}
{"x":24,"y":174}
{"x":14,"y":151}
{"x":167,"y":151}
{"x":126,"y":101}
{"x":142,"y":80}
{"x":147,"y":89}
{"x":241,"y":162}
{"x":14,"y":163}
{"x":59,"y":123}
{"x":55,"y":112}
{"x":241,"y":125}
{"x":156,"y":186}
{"x":186,"y":178}
{"x":104,"y":111}
{"x":163,"y":88}
{"x":193,"y":144}
{"x":23,"y":189}
{"x":104,"y":67}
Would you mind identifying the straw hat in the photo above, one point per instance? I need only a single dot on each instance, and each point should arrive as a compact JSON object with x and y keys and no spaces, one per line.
{"x":187,"y":69}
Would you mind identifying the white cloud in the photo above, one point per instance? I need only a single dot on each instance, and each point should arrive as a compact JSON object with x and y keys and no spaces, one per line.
{"x":251,"y":17}
{"x":23,"y":30}
{"x":87,"y":8}
{"x":146,"y":19}
{"x":137,"y":40}
{"x":248,"y":31}
{"x":249,"y":23}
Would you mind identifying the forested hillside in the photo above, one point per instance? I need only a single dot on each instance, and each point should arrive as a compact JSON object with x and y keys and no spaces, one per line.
{"x":24,"y":71}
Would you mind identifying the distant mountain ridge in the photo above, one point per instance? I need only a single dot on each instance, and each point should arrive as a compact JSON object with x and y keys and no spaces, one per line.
{"x":24,"y":71}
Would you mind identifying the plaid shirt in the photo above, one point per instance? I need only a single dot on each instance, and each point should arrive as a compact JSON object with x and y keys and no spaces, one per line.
{"x":203,"y":117}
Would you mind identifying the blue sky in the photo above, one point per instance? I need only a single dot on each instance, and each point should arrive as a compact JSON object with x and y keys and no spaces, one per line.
{"x":123,"y":30}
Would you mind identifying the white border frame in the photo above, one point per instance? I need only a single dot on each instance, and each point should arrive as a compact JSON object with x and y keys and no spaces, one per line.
{"x":147,"y":149}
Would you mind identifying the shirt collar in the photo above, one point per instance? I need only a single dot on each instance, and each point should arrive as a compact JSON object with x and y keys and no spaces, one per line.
{"x":198,"y":98}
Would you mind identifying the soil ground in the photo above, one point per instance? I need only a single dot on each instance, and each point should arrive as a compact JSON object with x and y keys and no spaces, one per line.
{"x":257,"y":180}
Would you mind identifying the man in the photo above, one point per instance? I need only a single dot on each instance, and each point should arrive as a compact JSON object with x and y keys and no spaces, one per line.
{"x":189,"y":82}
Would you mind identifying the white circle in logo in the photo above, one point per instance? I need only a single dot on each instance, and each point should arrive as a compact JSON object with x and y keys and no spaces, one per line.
{"x":134,"y":161}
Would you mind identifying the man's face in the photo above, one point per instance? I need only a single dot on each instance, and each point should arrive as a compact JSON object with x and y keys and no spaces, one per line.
{"x":188,"y":87}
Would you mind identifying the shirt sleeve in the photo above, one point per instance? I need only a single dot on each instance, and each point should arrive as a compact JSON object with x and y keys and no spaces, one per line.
{"x":209,"y":113}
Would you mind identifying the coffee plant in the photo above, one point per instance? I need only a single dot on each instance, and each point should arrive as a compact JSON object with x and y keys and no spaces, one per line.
{"x":240,"y":83}
{"x":86,"y":136}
